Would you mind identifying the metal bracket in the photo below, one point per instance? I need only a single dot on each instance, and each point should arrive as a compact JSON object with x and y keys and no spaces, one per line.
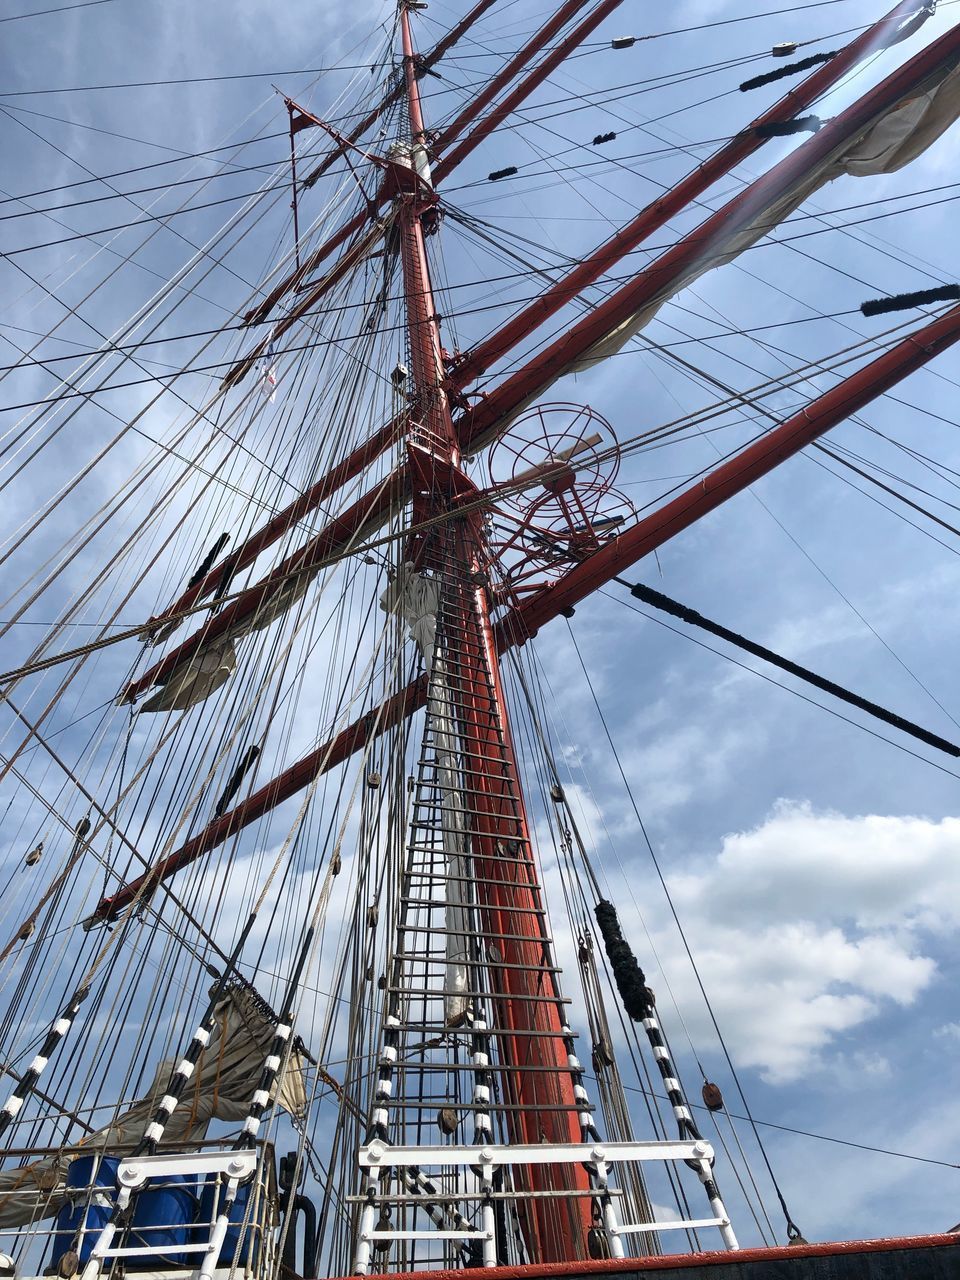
{"x":377,"y":1154}
{"x":134,"y":1172}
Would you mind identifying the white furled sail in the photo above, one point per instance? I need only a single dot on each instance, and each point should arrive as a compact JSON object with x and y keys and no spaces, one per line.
{"x":892,"y":140}
{"x":195,"y":679}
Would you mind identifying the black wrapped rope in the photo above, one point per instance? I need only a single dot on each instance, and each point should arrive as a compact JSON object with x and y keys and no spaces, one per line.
{"x":783,"y":128}
{"x":790,"y":69}
{"x":639,"y":1005}
{"x":627,"y":974}
{"x":694,"y":619}
{"x":244,"y":765}
{"x":904,"y":301}
{"x":206,"y":564}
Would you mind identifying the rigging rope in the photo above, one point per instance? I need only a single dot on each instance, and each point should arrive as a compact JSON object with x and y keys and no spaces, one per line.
{"x":793,"y":1231}
{"x":663,"y":602}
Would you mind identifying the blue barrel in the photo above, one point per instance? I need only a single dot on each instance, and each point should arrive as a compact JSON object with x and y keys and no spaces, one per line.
{"x":163,"y":1215}
{"x":86,"y":1208}
{"x":239,"y":1243}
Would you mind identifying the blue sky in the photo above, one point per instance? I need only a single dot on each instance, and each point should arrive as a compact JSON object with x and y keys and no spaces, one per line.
{"x":813,"y":865}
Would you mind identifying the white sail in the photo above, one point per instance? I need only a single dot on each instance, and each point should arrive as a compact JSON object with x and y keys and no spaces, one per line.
{"x":220,"y":1090}
{"x":195,"y":679}
{"x":891,"y":141}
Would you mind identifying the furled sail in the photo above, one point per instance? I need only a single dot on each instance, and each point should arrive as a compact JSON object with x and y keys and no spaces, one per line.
{"x":415,"y":598}
{"x":210,"y":668}
{"x":899,"y":135}
{"x":220,"y":1090}
{"x":289,"y":592}
{"x":195,"y":679}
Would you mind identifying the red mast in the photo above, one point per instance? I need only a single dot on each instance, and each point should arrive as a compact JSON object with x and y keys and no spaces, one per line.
{"x":472,"y":363}
{"x":528,"y":1028}
{"x":719,"y":485}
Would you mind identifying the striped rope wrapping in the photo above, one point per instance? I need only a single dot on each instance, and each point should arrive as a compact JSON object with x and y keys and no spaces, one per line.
{"x":28,"y":1081}
{"x":638,"y":1002}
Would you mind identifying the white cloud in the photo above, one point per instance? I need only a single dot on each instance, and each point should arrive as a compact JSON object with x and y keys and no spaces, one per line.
{"x":808,"y":926}
{"x":877,"y":871}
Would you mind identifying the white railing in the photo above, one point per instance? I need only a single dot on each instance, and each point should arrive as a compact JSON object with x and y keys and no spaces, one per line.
{"x":600,"y":1158}
{"x":231,"y":1225}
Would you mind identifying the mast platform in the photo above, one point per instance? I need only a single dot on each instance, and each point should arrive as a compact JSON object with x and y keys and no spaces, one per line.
{"x":930,"y":1257}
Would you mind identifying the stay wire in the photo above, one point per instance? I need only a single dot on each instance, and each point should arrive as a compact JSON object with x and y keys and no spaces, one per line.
{"x":792,"y":1229}
{"x":40,"y":13}
{"x":823,"y":1137}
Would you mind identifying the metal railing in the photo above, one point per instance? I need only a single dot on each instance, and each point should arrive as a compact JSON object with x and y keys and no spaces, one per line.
{"x":600,"y":1158}
{"x":207,"y":1210}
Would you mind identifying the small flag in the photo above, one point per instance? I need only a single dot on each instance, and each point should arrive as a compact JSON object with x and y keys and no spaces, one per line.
{"x":268,"y":366}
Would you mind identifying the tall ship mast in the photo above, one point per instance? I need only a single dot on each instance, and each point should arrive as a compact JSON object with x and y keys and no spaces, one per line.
{"x":314,"y":964}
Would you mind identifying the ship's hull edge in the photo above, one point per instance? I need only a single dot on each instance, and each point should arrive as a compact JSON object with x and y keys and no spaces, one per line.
{"x":934,"y":1257}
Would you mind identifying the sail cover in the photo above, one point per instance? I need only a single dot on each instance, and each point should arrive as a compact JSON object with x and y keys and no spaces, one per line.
{"x":891,"y":141}
{"x":221,"y":1089}
{"x":415,"y":598}
{"x":195,"y":679}
{"x":213,"y":664}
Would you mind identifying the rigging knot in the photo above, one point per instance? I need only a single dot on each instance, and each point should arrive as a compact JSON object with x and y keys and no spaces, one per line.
{"x":784,"y":128}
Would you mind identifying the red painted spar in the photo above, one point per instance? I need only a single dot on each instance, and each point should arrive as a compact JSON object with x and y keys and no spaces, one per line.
{"x":284,"y":520}
{"x":476,"y":361}
{"x":450,"y":134}
{"x":655,"y":215}
{"x":732,"y":477}
{"x":484,"y":421}
{"x":427,"y":61}
{"x":449,"y":162}
{"x":293,"y":780}
{"x":706,"y":495}
{"x":332,"y":540}
{"x":261,"y":311}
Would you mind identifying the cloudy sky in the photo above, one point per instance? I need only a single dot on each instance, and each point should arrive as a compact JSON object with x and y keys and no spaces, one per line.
{"x":813,"y":859}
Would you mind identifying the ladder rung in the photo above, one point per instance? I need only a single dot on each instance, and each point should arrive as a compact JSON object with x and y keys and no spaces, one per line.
{"x":443,"y":877}
{"x":422,"y":1028}
{"x":424,"y":1105}
{"x":439,"y":905}
{"x":454,"y":1197}
{"x":492,"y":857}
{"x":430,"y":958}
{"x":461,"y":1066}
{"x":441,"y":931}
{"x":477,"y":755}
{"x":479,"y":995}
